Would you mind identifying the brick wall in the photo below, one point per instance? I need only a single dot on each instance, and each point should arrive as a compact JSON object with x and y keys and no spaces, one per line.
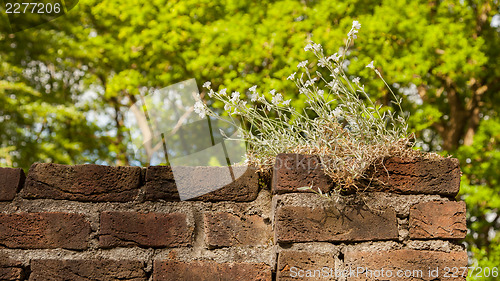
{"x":90,"y":222}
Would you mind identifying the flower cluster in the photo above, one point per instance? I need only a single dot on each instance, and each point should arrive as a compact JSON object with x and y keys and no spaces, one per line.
{"x":347,"y":132}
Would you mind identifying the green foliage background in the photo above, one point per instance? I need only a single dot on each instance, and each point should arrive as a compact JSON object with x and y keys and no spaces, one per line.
{"x":59,"y":79}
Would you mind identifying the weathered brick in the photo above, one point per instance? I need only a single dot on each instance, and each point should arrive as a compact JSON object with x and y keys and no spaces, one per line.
{"x":438,"y":220}
{"x":82,"y":182}
{"x":44,"y":230}
{"x":292,"y":171}
{"x":301,"y":265}
{"x":194,"y":181}
{"x":353,"y":223}
{"x":86,"y":270}
{"x":10,"y":270}
{"x":417,"y":176}
{"x":406,"y":176}
{"x":226,"y":230}
{"x":144,"y":230}
{"x":11,"y":181}
{"x":210,"y":271}
{"x":416,"y":264}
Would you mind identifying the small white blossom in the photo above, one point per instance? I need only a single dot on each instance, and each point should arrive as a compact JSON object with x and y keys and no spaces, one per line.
{"x":321,"y":92}
{"x":235,"y":96}
{"x":356,"y":80}
{"x":292,"y":76}
{"x":227,"y":107}
{"x":335,"y":57}
{"x":353,"y":33}
{"x":287,"y":102}
{"x":254,"y":97}
{"x":322,"y":62}
{"x":272,"y":92}
{"x":370,"y":65}
{"x":277,"y":99}
{"x":211,"y":93}
{"x":337,"y":112}
{"x":356,"y":25}
{"x":302,"y":64}
{"x":333,"y":85}
{"x":253,"y":88}
{"x":317,"y":47}
{"x":199,"y":108}
{"x":308,"y":47}
{"x":223,"y":92}
{"x":207,"y":84}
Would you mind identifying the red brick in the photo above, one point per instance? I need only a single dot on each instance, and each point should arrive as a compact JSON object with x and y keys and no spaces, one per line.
{"x":438,"y":220}
{"x":292,"y":171}
{"x":408,"y":176}
{"x":412,"y":260}
{"x":354,"y":223}
{"x":144,"y":230}
{"x":417,"y":176}
{"x":295,"y":265}
{"x":11,"y":181}
{"x":210,"y":271}
{"x":82,"y":182}
{"x":227,"y":230}
{"x":10,"y":270}
{"x":161,"y":185}
{"x":44,"y":230}
{"x":86,"y":270}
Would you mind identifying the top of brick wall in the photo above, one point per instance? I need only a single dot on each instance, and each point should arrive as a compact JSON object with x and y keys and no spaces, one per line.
{"x":95,"y":183}
{"x":416,"y":176}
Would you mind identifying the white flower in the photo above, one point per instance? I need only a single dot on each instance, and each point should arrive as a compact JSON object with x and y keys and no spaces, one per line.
{"x":353,"y":33}
{"x":337,"y":112}
{"x":277,"y":99}
{"x":199,"y":108}
{"x":335,"y":57}
{"x":292,"y":76}
{"x":227,"y":107}
{"x":308,"y":47}
{"x":317,"y":47}
{"x":254,"y":97}
{"x":207,"y":84}
{"x":321,"y":92}
{"x":287,"y":102}
{"x":253,"y":88}
{"x":272,"y":92}
{"x":302,"y":64}
{"x":211,"y":93}
{"x":322,"y":62}
{"x":370,"y":65}
{"x":235,"y":96}
{"x":356,"y":80}
{"x":356,"y":25}
{"x":223,"y":92}
{"x":333,"y":85}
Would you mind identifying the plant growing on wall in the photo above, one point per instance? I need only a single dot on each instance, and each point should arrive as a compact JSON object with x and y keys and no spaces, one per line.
{"x":341,"y":124}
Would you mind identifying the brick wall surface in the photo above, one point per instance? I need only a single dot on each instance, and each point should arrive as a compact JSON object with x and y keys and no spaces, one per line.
{"x":91,"y":222}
